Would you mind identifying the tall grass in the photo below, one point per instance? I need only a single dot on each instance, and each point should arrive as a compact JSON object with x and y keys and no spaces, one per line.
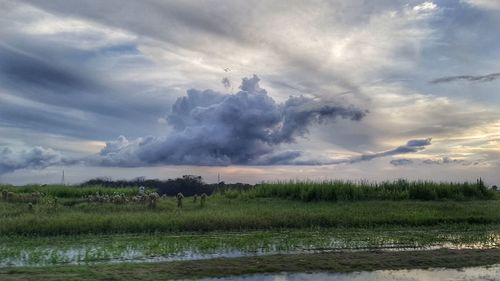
{"x":335,"y":190}
{"x":221,"y":214}
{"x":63,"y":191}
{"x":338,"y":190}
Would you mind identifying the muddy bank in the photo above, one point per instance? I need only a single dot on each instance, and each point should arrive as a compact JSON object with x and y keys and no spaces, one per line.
{"x":316,"y":262}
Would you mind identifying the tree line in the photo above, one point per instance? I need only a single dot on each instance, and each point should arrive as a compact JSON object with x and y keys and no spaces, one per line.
{"x":188,"y":185}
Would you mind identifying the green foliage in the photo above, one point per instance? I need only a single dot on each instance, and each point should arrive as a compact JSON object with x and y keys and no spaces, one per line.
{"x":361,"y":191}
{"x":224,"y":214}
{"x":68,"y":210}
{"x":64,"y":191}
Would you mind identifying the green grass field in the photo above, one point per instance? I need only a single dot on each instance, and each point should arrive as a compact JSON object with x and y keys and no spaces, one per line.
{"x":59,"y":210}
{"x":222,"y":214}
{"x":40,"y":225}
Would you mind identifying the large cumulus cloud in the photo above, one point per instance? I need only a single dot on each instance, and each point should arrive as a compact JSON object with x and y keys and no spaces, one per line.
{"x":212,"y":128}
{"x":216,"y":129}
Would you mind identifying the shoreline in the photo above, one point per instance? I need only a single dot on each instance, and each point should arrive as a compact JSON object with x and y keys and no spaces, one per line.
{"x":224,"y":267}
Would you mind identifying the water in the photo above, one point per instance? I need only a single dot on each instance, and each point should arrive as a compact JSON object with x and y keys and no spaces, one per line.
{"x":158,"y":248}
{"x":489,"y":273}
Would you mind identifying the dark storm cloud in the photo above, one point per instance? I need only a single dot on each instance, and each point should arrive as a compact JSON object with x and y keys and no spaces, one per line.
{"x":470,"y":78}
{"x":151,"y":151}
{"x":210,"y":128}
{"x":32,"y":158}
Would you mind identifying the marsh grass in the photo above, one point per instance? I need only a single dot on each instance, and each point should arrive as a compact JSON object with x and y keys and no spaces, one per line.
{"x":64,"y":191}
{"x":63,"y":210}
{"x":87,"y":249}
{"x":224,"y":214}
{"x":338,"y":190}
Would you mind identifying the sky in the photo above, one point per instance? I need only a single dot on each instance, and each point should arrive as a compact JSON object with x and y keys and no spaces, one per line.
{"x":251,"y":90}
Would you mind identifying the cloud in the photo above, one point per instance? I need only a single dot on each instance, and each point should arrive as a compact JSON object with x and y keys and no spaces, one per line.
{"x":401,"y":162}
{"x":149,"y":151}
{"x":55,"y":89}
{"x":30,"y":70}
{"x":411,"y":146}
{"x":145,"y":152}
{"x":470,"y":78}
{"x":433,"y":161}
{"x":211,"y":128}
{"x":33,"y":158}
{"x":445,"y":160}
{"x":426,"y":6}
{"x":484,"y":4}
{"x":226,"y":82}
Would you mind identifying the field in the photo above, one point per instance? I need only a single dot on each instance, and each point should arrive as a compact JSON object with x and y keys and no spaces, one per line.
{"x":81,"y":227}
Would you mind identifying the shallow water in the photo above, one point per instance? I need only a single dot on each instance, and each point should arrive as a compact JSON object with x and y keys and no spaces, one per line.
{"x":489,"y":273}
{"x":157,"y":248}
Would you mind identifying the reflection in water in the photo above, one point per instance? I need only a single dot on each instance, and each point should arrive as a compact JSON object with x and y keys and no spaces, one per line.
{"x":490,"y":273}
{"x":162,"y":248}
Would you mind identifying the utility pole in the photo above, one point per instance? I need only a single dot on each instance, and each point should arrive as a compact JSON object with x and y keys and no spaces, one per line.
{"x":63,"y":181}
